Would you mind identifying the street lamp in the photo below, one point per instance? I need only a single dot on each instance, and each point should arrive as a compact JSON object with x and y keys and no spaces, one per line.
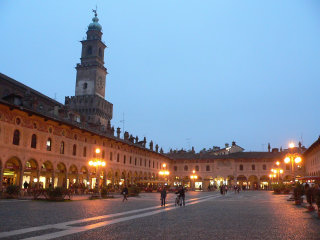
{"x":294,"y":158}
{"x":165,"y":173}
{"x":97,"y":163}
{"x":194,"y":177}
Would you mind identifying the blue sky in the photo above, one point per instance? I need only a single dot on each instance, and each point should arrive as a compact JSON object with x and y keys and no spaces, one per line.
{"x":184,"y":73}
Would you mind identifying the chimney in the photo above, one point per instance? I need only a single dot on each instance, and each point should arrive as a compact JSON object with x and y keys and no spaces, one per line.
{"x":118,"y":132}
{"x":269,"y":147}
{"x":192,"y":149}
{"x":226,"y":145}
{"x":233,"y":143}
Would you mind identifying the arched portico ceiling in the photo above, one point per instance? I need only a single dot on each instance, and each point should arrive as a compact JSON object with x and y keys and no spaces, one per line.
{"x":83,"y":170}
{"x":13,"y":163}
{"x":230,"y":178}
{"x":264,"y":178}
{"x":31,"y":164}
{"x":47,"y":166}
{"x":61,"y":167}
{"x":253,"y":178}
{"x":241,"y":178}
{"x":73,"y":169}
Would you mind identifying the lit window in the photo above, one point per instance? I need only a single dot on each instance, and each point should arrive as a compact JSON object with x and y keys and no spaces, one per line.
{"x":49,"y":142}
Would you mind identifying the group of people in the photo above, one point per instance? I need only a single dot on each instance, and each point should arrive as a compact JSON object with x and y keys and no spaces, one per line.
{"x":224,"y":189}
{"x":180,"y":199}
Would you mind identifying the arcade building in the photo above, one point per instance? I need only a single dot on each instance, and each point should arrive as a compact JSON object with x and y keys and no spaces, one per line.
{"x":44,"y":141}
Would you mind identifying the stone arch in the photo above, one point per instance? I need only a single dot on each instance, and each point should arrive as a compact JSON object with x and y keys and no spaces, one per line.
{"x":230,"y":180}
{"x":73,"y":175}
{"x":31,"y":173}
{"x":61,"y":175}
{"x":242,"y":180}
{"x":253,"y":182}
{"x":12,"y":172}
{"x":84,"y":176}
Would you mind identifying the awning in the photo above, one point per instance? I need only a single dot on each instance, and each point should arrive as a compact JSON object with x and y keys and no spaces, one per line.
{"x":309,"y":178}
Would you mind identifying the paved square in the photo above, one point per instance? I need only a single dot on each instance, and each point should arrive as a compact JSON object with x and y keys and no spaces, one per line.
{"x":248,"y":215}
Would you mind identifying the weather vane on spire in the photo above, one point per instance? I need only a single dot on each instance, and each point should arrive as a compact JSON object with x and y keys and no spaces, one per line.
{"x":95,"y":11}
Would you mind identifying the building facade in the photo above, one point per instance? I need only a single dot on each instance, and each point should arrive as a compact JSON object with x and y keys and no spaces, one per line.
{"x":250,"y":169}
{"x":42,"y":140}
{"x":312,"y":159}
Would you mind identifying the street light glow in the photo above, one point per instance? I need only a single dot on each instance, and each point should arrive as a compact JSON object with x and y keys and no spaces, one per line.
{"x":291,"y":145}
{"x":287,"y":160}
{"x":281,"y":171}
{"x":164,"y":165}
{"x":98,"y":150}
{"x":278,"y":163}
{"x":297,"y":160}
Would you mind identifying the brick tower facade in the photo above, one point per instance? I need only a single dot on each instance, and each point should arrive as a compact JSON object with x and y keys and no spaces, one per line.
{"x":89,"y":99}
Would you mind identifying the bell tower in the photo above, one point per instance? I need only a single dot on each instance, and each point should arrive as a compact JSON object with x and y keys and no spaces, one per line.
{"x":89,"y":99}
{"x":91,"y":73}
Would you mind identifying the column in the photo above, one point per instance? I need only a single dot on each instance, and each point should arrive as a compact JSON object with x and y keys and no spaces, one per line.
{"x":53,"y":176}
{"x":1,"y":177}
{"x":65,"y":179}
{"x":21,"y":178}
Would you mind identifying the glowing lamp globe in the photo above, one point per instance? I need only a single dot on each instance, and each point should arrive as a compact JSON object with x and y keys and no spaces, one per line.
{"x":297,"y":160}
{"x":287,"y":160}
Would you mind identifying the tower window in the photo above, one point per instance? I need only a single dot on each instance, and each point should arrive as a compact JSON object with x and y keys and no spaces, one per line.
{"x":100,"y":52}
{"x":85,"y":85}
{"x":89,"y":50}
{"x":241,"y":167}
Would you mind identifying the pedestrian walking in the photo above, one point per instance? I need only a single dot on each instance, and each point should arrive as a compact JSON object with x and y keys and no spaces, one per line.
{"x":163,"y":197}
{"x":221,"y":189}
{"x":125,"y":192}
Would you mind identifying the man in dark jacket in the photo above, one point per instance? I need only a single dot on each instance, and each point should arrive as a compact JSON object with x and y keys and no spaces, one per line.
{"x":163,"y":197}
{"x":125,"y":193}
{"x":182,"y":196}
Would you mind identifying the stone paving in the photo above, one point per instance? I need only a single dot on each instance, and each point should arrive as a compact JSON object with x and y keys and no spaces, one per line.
{"x":248,"y":215}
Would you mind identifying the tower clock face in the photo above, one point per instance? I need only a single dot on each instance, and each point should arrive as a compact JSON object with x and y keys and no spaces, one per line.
{"x":100,"y":83}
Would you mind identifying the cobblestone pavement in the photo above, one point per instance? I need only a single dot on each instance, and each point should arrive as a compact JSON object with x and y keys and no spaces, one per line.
{"x":248,"y":215}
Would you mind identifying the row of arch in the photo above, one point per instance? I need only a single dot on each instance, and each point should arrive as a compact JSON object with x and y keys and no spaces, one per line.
{"x":14,"y":172}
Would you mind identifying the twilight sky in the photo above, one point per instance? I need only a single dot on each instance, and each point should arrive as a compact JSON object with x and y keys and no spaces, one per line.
{"x":184,"y":73}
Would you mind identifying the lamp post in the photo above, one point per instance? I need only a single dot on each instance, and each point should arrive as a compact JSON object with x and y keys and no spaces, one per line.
{"x":97,"y":163}
{"x":165,"y":173}
{"x":277,"y":171}
{"x":292,"y":158}
{"x":193,"y":177}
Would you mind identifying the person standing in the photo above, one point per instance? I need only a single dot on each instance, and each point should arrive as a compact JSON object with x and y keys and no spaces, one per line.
{"x":163,"y":197}
{"x":125,"y":193}
{"x":182,"y":196}
{"x":25,"y":185}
